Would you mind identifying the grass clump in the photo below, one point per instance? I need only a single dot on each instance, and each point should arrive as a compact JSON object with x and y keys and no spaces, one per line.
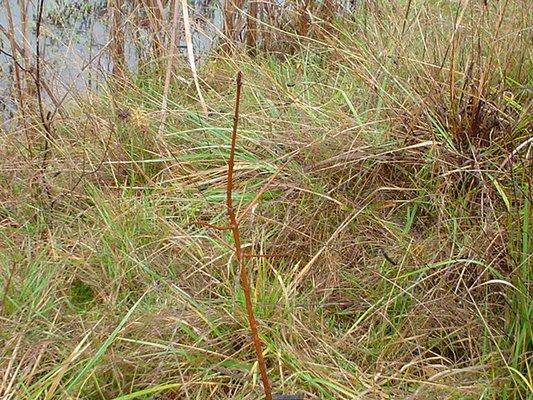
{"x":390,"y":256}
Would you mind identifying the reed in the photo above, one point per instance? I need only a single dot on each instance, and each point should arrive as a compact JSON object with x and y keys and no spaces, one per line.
{"x":116,"y":33}
{"x":156,"y":12}
{"x":17,"y":70}
{"x":171,"y":58}
{"x":251,"y":26}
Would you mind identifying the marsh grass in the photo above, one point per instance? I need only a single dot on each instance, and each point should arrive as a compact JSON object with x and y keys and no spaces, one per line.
{"x":402,"y":128}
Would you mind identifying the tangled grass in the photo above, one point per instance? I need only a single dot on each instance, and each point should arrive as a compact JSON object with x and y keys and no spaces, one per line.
{"x":389,"y":251}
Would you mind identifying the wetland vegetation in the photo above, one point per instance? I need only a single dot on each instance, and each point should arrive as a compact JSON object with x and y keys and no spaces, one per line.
{"x":371,"y":198}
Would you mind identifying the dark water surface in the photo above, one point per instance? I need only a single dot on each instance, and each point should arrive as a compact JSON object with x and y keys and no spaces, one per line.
{"x":75,"y":38}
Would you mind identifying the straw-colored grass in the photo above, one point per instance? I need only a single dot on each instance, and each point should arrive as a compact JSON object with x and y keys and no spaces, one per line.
{"x":389,"y":250}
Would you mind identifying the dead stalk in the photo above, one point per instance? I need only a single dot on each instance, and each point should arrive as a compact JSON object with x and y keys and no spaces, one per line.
{"x":117,"y":43}
{"x":23,"y":9}
{"x":251,"y":35}
{"x":45,"y":119}
{"x":14,"y":51}
{"x":304,"y":23}
{"x":190,"y":54}
{"x":170,"y":61}
{"x":232,"y":22}
{"x":228,"y":23}
{"x":234,"y":225}
{"x":155,"y":11}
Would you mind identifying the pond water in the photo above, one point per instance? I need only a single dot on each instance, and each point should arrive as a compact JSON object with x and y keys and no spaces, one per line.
{"x":75,"y":37}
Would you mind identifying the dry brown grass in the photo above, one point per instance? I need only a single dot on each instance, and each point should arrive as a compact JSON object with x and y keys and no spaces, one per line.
{"x":389,"y":134}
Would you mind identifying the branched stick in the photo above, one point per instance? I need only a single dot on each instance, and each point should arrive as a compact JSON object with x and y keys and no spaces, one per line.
{"x":234,"y":224}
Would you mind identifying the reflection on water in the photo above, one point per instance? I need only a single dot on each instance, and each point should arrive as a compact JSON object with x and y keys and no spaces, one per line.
{"x":75,"y":36}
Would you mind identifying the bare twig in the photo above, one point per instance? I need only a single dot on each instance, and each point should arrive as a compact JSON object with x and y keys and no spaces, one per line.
{"x":238,"y":249}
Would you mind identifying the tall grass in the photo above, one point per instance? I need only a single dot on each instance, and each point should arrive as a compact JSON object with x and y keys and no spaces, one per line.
{"x":381,"y":184}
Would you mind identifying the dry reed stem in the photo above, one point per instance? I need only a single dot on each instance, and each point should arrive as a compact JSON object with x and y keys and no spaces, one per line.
{"x":170,"y":62}
{"x":238,"y":249}
{"x":155,"y":11}
{"x":251,"y":34}
{"x":228,"y":24}
{"x":14,"y":50}
{"x":190,"y":54}
{"x":23,"y":10}
{"x":45,"y":119}
{"x":117,"y":44}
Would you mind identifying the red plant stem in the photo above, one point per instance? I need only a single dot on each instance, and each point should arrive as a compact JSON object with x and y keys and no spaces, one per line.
{"x":234,"y":224}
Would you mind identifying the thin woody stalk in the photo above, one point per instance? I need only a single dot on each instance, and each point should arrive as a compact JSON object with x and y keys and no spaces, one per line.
{"x":117,"y":42}
{"x":234,"y":226}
